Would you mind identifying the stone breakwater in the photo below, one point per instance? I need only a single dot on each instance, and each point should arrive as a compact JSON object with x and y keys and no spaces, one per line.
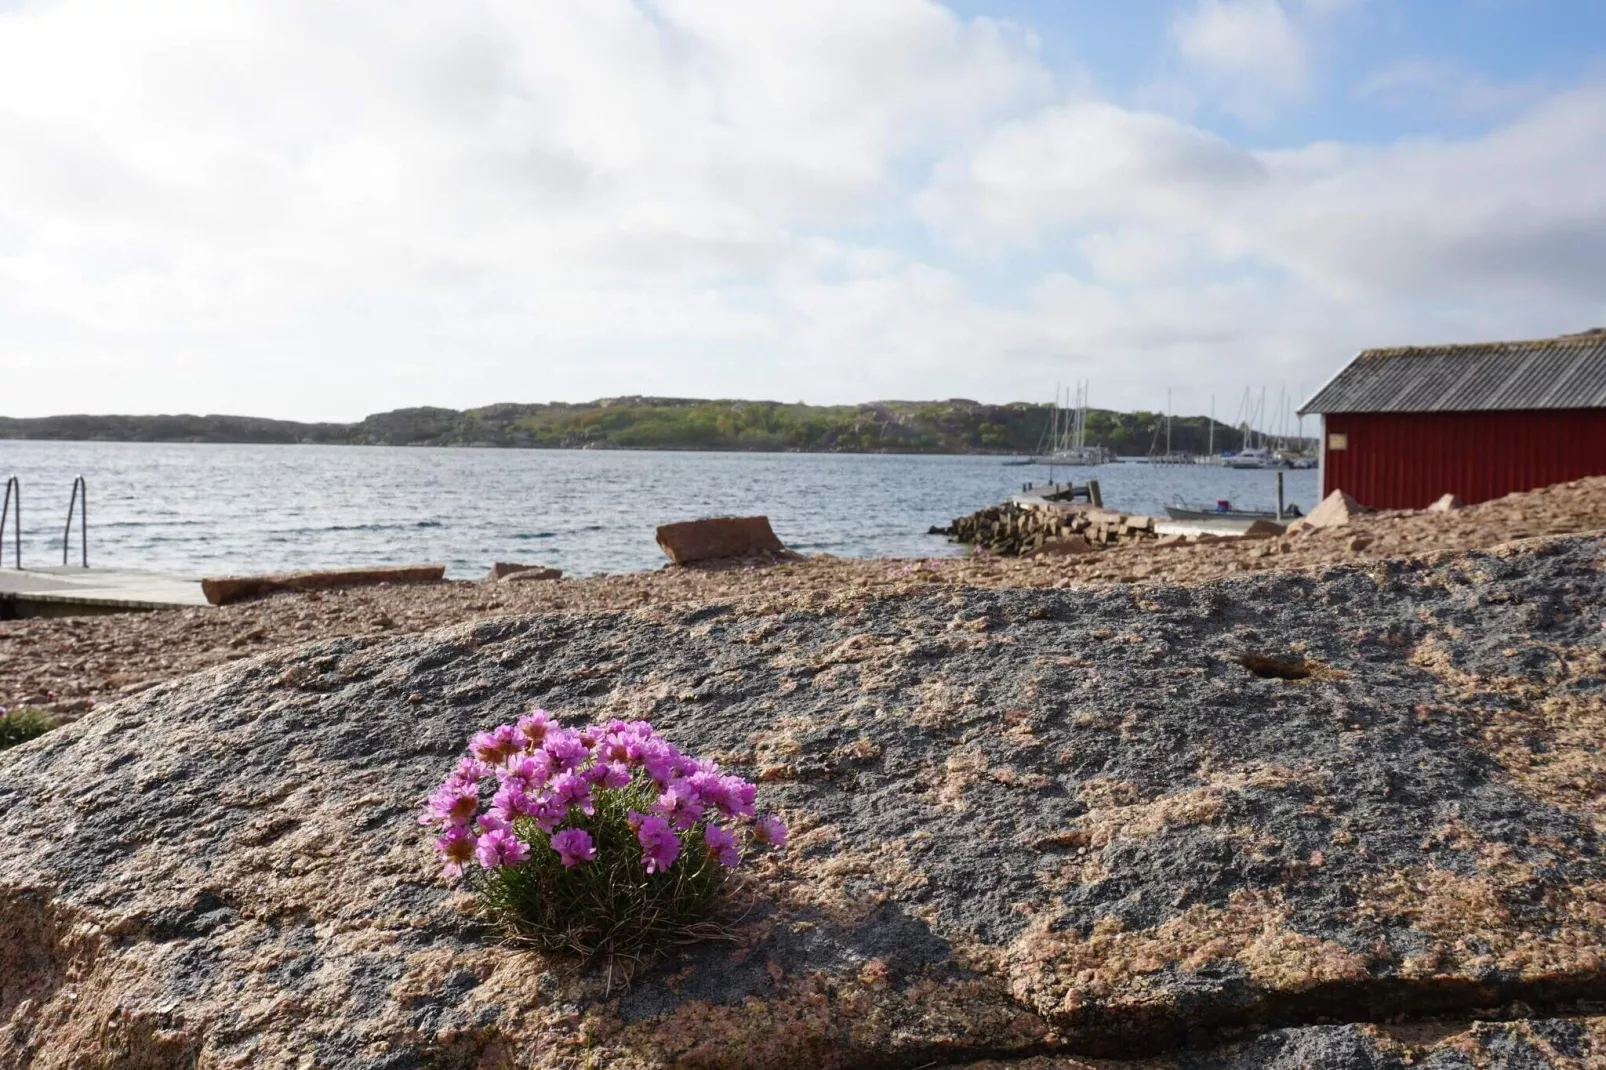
{"x":1055,"y":822}
{"x":1013,"y":529}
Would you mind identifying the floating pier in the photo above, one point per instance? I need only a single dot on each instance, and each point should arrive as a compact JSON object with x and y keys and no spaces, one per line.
{"x":70,"y":591}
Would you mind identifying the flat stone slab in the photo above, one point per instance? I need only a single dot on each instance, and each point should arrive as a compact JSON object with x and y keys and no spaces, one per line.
{"x":1058,"y":823}
{"x":100,"y":587}
{"x":718,"y":538}
{"x":222,"y":590}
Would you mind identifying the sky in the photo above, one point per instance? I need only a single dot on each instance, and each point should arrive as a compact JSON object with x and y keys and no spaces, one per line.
{"x":316,"y":211}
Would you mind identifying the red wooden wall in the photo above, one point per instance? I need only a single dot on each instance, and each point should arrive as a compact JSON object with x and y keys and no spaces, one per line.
{"x":1406,"y":460}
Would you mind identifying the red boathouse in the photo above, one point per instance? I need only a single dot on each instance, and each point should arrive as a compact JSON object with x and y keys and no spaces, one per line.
{"x":1400,"y":427}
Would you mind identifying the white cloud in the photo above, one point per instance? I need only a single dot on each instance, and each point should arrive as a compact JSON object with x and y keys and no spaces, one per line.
{"x":1501,"y":218}
{"x":1480,"y":214}
{"x":1249,"y":51}
{"x":1257,"y":261}
{"x":1083,"y":162}
{"x":309,"y":210}
{"x":526,"y":191}
{"x":1137,"y":255}
{"x":1330,"y":7}
{"x":1438,"y":88}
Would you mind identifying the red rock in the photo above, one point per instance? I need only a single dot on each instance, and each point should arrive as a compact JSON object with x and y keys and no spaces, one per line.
{"x":718,"y":537}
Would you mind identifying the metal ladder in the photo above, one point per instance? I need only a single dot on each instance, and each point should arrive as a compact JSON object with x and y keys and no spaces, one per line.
{"x":13,"y":487}
{"x":83,"y":522}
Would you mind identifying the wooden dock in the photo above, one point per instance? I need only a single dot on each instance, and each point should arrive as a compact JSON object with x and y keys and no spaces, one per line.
{"x":69,"y":591}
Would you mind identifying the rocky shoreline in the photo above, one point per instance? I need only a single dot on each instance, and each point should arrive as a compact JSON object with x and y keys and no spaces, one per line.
{"x":66,"y":666}
{"x":1344,"y":815}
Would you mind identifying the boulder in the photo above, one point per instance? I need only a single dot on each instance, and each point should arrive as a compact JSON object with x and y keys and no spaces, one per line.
{"x":222,"y":590}
{"x":526,"y":574}
{"x":1449,"y":503}
{"x":719,"y":537}
{"x":1335,"y":511}
{"x":505,"y":568}
{"x":1034,"y":842}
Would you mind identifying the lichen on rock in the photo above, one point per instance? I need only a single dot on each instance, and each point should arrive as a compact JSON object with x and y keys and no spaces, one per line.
{"x":1082,"y":830}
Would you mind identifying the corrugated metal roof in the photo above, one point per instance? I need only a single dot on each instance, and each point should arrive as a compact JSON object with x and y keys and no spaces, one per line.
{"x":1550,"y":373}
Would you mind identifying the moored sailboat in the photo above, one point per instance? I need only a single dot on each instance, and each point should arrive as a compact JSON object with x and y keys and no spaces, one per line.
{"x":1067,"y":436}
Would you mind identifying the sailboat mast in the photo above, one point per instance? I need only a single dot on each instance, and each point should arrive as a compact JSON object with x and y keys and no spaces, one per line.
{"x":1300,"y":417}
{"x":1054,"y":423}
{"x":1081,"y":435}
{"x":1168,"y":423}
{"x":1081,"y":415}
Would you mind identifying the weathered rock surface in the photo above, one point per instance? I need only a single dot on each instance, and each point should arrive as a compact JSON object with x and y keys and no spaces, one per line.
{"x":221,"y":590}
{"x":1529,"y":1044}
{"x":717,"y":538}
{"x":1045,"y":821}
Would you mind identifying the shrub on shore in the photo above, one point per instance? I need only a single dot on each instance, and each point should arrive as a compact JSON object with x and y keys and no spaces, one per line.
{"x":22,"y":725}
{"x":602,"y":840}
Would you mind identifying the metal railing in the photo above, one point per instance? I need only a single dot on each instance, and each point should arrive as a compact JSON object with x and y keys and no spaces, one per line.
{"x":13,"y":486}
{"x":83,"y":522}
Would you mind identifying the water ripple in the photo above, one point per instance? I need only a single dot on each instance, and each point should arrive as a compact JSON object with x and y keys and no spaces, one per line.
{"x":194,"y":509}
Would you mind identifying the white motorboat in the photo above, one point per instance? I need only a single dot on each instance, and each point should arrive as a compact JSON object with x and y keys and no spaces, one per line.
{"x":1257,"y":457}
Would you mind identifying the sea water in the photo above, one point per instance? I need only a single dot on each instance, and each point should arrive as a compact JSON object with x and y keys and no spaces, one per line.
{"x":210,"y":509}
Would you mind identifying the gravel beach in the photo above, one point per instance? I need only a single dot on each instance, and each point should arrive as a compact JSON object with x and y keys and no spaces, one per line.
{"x":1347,"y":814}
{"x":65,"y":666}
{"x":1090,"y":821}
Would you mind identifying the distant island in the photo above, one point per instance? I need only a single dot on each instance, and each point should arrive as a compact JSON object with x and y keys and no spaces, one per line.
{"x":953,"y":426}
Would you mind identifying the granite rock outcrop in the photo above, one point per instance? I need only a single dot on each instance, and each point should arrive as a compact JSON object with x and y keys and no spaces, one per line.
{"x":1218,"y":822}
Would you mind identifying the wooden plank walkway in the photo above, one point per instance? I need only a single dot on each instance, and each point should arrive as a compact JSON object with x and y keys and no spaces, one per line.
{"x":70,"y":591}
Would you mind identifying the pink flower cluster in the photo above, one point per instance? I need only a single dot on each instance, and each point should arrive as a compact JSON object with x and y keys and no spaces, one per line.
{"x":545,"y":774}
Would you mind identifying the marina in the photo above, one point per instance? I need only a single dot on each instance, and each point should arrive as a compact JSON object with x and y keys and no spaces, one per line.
{"x":1065,"y":440}
{"x":159,"y":508}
